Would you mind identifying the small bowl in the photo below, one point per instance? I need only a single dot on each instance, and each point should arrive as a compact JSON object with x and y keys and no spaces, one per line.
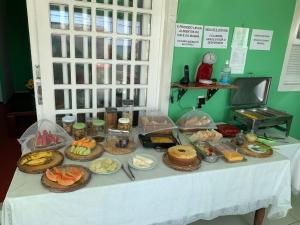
{"x":211,"y":159}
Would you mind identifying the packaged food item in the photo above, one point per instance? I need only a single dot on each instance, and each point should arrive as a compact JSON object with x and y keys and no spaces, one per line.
{"x":68,"y":122}
{"x":124,"y":124}
{"x":111,"y":118}
{"x":227,"y":130}
{"x":195,"y":120}
{"x":79,"y":131}
{"x":206,"y":135}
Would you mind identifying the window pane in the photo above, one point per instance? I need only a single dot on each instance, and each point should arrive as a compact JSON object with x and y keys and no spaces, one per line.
{"x":121,"y":94}
{"x":60,"y":45}
{"x":83,"y":73}
{"x":63,"y":99}
{"x":124,"y":49}
{"x":82,"y":117}
{"x":104,"y":1}
{"x":127,"y":3}
{"x":104,"y":73}
{"x":59,"y":16}
{"x":124,"y":23}
{"x":142,"y":50}
{"x":123,"y":74}
{"x":103,"y":98}
{"x":104,"y":20}
{"x":140,"y":97}
{"x":62,"y":73}
{"x":83,"y":48}
{"x":141,"y":74}
{"x":143,"y":24}
{"x":82,"y":19}
{"x":104,"y":48}
{"x":84,"y":98}
{"x":144,"y":4}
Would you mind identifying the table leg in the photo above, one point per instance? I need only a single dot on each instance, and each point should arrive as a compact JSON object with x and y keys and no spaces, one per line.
{"x":259,"y":216}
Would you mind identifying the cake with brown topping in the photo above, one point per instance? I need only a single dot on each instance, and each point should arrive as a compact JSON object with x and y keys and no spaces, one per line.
{"x":182,"y":155}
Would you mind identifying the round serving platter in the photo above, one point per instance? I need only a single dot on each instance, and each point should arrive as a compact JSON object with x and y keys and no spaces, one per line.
{"x":246,"y":149}
{"x":95,"y":153}
{"x":110,"y":147}
{"x":55,"y":187}
{"x":56,"y":159}
{"x":192,"y":167}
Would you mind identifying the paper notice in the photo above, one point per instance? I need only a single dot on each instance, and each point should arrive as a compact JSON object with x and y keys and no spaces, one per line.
{"x":261,"y":39}
{"x":238,"y":60}
{"x":240,"y":37}
{"x":215,"y":37}
{"x":188,"y":35}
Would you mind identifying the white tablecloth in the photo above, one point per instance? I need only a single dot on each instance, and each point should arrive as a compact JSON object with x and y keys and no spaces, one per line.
{"x":158,"y":196}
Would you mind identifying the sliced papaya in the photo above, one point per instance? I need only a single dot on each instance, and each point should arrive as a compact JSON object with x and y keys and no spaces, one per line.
{"x":64,"y":181}
{"x":51,"y":176}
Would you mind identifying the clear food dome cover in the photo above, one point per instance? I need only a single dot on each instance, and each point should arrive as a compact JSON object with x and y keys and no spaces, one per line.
{"x":155,"y":121}
{"x":44,"y":134}
{"x":195,"y":120}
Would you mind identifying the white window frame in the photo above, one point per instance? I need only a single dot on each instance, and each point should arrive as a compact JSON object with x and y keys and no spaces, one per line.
{"x":283,"y":85}
{"x":164,"y":59}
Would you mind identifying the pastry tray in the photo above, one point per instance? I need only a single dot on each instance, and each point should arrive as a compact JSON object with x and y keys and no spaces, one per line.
{"x":147,"y":142}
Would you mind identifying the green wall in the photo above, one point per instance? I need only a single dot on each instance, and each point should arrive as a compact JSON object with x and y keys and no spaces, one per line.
{"x":273,"y":15}
{"x":18,"y":44}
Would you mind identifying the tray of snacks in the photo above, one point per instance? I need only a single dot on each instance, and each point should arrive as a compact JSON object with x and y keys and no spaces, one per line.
{"x":256,"y":149}
{"x":182,"y":158}
{"x":39,"y":161}
{"x":204,"y":135}
{"x":230,"y":154}
{"x":207,"y":152}
{"x":158,"y":141}
{"x":195,"y":120}
{"x":142,"y":162}
{"x":66,"y":178}
{"x":105,"y":166}
{"x":153,"y":121}
{"x":85,"y":149}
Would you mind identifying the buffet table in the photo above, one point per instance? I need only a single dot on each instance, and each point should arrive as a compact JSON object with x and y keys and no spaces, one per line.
{"x":158,"y":196}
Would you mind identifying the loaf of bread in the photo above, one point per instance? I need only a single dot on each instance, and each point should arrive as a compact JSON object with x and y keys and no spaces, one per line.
{"x":206,"y":135}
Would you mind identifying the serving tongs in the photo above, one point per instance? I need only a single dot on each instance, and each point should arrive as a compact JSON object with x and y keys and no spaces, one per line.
{"x":129,"y":174}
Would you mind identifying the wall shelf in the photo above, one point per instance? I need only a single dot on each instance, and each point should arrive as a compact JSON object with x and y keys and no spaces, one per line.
{"x":211,"y":88}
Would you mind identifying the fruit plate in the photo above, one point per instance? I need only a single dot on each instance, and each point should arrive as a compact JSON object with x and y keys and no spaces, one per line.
{"x":188,"y":168}
{"x":56,"y":187}
{"x":105,"y":166}
{"x":95,"y":153}
{"x":151,"y":166}
{"x":55,"y":159}
{"x":31,"y":144}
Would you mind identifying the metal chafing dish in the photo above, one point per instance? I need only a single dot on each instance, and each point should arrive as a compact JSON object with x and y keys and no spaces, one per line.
{"x":249,"y":104}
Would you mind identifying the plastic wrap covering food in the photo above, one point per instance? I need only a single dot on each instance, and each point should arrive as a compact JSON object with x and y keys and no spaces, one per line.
{"x":153,"y":121}
{"x":44,"y":134}
{"x":194,"y":120}
{"x":119,"y":142}
{"x":205,"y":136}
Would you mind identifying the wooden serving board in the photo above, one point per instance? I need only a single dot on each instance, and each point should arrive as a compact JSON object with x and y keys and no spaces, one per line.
{"x":245,"y":150}
{"x":31,"y":144}
{"x":110,"y":147}
{"x":55,"y":187}
{"x":192,"y":167}
{"x":57,"y":159}
{"x":96,"y":152}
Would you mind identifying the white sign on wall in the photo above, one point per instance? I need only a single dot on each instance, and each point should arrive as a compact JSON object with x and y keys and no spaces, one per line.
{"x":261,"y":39}
{"x":188,"y":35}
{"x":215,"y":37}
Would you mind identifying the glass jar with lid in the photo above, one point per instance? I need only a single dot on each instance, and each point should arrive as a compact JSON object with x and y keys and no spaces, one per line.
{"x":111,"y":118}
{"x":98,"y":130}
{"x":68,"y":122}
{"x":127,"y":108}
{"x":79,"y":131}
{"x":124,"y":124}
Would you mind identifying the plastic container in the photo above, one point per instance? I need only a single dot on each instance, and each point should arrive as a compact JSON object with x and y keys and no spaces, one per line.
{"x":128,"y":110}
{"x":89,"y":126}
{"x":68,"y":122}
{"x":98,"y":130}
{"x":124,"y":124}
{"x":111,"y":118}
{"x":79,"y":131}
{"x":225,"y":74}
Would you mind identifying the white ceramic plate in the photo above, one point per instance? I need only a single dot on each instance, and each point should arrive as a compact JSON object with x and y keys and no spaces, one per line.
{"x":94,"y":170}
{"x":130,"y":162}
{"x":256,"y":148}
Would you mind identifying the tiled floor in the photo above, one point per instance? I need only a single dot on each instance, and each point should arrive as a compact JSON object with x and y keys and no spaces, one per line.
{"x":293,"y":218}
